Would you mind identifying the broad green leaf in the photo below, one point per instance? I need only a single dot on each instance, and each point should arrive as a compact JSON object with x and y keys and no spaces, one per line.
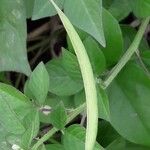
{"x":79,"y":98}
{"x":74,"y":138}
{"x":96,"y":56}
{"x":3,"y":78}
{"x":27,"y":91}
{"x":14,"y":107}
{"x":55,"y":147}
{"x":18,"y":102}
{"x":86,"y":15}
{"x":29,"y":7}
{"x":146,"y":58}
{"x":3,"y":144}
{"x":121,"y":144}
{"x":118,"y":8}
{"x":8,"y":117}
{"x":58,"y":116}
{"x":42,"y":8}
{"x":13,"y":55}
{"x":61,"y":83}
{"x":106,"y":133}
{"x":129,"y":95}
{"x":107,"y":4}
{"x":141,"y":8}
{"x":32,"y":125}
{"x":52,"y":100}
{"x":103,"y":104}
{"x":39,"y":83}
{"x":71,"y":65}
{"x":113,"y":36}
{"x":118,"y":144}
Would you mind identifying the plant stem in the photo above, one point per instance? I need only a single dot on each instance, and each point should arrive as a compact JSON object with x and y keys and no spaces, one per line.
{"x":38,"y":45}
{"x":142,"y":63}
{"x":45,"y":27}
{"x":50,"y":133}
{"x":126,"y":57}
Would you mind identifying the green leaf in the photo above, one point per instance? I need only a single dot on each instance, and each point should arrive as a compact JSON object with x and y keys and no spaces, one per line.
{"x":3,"y":144}
{"x":74,"y":138}
{"x":13,"y":55}
{"x":10,"y":102}
{"x":27,"y":91}
{"x":103,"y":104}
{"x":107,"y":4}
{"x":140,"y":8}
{"x":58,"y":116}
{"x":106,"y":133}
{"x":61,"y":83}
{"x":32,"y":125}
{"x":96,"y":56}
{"x":86,"y":15}
{"x":79,"y":98}
{"x":53,"y":100}
{"x":42,"y":8}
{"x":118,"y":8}
{"x":118,"y":144}
{"x":29,"y":7}
{"x":39,"y":83}
{"x":71,"y":66}
{"x":146,"y":58}
{"x":18,"y":102}
{"x":121,"y":144}
{"x":114,"y":40}
{"x":129,"y":95}
{"x":3,"y":78}
{"x":55,"y":147}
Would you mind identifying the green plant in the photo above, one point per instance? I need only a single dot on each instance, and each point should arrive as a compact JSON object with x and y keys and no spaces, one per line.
{"x":102,"y":74}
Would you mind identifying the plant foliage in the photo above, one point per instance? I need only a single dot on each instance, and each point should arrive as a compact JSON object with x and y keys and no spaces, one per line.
{"x":94,"y":94}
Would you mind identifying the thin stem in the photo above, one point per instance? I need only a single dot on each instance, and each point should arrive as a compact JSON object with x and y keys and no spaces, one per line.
{"x":38,"y":45}
{"x":83,"y":119}
{"x":45,"y":27}
{"x":126,"y":57}
{"x":142,"y":63}
{"x":50,"y":133}
{"x":18,"y":80}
